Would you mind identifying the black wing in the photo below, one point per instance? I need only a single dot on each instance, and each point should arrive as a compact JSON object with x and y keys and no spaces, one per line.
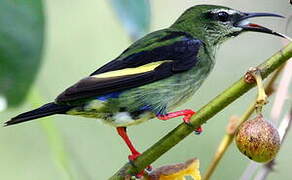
{"x":161,"y":55}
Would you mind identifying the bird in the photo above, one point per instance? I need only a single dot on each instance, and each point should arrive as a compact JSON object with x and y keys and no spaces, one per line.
{"x":155,"y":74}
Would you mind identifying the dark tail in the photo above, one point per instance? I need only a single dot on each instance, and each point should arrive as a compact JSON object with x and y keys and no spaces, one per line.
{"x":45,"y":110}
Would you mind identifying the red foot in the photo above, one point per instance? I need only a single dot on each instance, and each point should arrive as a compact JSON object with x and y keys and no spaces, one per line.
{"x":135,"y":154}
{"x":199,"y":130}
{"x":132,"y":157}
{"x":187,"y":113}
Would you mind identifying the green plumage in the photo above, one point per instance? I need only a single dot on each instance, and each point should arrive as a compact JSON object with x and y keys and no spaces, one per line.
{"x":156,"y":73}
{"x":163,"y":95}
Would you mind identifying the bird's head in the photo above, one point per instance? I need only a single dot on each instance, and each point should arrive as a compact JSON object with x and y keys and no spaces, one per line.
{"x":215,"y":24}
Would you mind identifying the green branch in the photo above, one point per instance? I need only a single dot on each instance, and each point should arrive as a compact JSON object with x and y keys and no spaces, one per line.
{"x":202,"y":116}
{"x":232,"y":127}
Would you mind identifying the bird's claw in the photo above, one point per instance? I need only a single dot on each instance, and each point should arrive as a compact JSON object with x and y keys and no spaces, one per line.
{"x":132,"y":157}
{"x":198,"y":130}
{"x":187,"y":120}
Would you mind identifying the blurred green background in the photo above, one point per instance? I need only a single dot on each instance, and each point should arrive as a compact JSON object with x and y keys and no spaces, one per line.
{"x":83,"y":35}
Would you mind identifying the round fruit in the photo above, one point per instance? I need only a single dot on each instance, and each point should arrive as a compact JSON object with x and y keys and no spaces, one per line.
{"x":258,"y":139}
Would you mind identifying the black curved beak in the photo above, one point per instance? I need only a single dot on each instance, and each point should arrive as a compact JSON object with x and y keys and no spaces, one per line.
{"x":247,"y":26}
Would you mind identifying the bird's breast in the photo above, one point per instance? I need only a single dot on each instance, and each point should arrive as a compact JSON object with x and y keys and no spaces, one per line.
{"x":189,"y":82}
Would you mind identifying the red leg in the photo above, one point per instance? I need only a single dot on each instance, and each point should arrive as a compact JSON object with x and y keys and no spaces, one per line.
{"x":122,"y":131}
{"x":187,"y":113}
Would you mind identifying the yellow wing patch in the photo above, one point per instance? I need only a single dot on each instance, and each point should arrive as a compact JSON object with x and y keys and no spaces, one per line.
{"x":131,"y":71}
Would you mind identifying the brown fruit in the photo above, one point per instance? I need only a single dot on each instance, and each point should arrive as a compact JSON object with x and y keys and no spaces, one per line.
{"x":258,"y":139}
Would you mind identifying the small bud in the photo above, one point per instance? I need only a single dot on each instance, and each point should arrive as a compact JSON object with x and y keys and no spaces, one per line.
{"x":258,"y":139}
{"x":249,"y":77}
{"x":232,"y":125}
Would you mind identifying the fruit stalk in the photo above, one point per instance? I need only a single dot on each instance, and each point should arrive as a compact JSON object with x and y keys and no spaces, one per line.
{"x":229,"y":136}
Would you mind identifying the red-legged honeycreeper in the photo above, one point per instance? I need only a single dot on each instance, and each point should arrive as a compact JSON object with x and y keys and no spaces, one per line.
{"x":155,"y":74}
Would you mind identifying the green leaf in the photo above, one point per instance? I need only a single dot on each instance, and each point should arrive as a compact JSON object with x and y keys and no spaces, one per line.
{"x":134,"y":14}
{"x":21,"y":41}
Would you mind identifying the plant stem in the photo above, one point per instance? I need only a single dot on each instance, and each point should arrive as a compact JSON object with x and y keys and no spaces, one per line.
{"x":226,"y":141}
{"x":204,"y":114}
{"x":229,"y":136}
{"x":54,"y":138}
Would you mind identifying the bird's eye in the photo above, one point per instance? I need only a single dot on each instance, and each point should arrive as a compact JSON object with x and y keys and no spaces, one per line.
{"x":222,"y":16}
